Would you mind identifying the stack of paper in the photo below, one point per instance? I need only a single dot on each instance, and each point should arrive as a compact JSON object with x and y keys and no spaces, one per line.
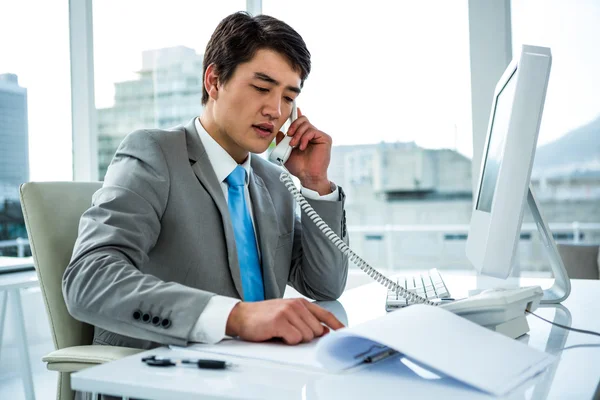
{"x":431,"y":336}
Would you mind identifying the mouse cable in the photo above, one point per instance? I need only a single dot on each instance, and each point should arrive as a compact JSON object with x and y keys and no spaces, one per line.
{"x":564,"y":326}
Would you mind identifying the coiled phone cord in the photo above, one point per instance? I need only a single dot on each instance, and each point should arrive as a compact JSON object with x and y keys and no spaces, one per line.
{"x":286,"y":179}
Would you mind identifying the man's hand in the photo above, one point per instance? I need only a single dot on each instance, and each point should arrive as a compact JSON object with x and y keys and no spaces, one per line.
{"x":292,"y":320}
{"x":311,"y":155}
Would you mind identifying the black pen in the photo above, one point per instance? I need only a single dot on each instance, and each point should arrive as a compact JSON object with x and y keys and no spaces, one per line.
{"x":379,"y":356}
{"x":155,"y":361}
{"x":207,"y":364}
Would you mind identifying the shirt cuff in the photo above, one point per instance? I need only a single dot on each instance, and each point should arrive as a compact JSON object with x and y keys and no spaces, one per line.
{"x":210,"y":327}
{"x":313,"y":195}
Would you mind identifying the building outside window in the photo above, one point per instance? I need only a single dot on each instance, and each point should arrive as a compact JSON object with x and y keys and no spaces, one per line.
{"x":566,"y":171}
{"x":394,"y":93}
{"x":35,"y":108}
{"x":148,"y":72}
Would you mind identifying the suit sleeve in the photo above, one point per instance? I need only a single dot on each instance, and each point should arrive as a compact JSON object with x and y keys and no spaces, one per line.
{"x":319,"y":270}
{"x":103,"y":284}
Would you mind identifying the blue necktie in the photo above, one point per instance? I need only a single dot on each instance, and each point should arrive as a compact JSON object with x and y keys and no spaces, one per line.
{"x":245,"y":241}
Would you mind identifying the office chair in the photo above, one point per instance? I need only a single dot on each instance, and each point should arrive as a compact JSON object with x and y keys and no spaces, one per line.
{"x":580,"y":260}
{"x":52,"y":211}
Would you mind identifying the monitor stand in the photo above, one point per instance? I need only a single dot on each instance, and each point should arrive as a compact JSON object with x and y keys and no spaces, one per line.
{"x":561,"y":288}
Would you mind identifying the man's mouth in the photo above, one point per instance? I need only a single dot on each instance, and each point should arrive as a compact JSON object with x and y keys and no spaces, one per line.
{"x":266,"y":128}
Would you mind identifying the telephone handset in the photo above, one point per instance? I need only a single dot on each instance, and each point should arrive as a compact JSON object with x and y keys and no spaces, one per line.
{"x":279,"y":156}
{"x":282,"y":151}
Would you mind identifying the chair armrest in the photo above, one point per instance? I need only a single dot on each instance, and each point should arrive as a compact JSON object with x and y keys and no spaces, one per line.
{"x":76,"y":358}
{"x":580,"y":260}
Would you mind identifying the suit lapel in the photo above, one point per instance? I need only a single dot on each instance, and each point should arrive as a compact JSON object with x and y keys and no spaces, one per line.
{"x":267,"y":229}
{"x":205,"y":173}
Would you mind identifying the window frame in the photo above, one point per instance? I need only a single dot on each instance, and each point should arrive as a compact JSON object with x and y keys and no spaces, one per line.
{"x":490,"y":49}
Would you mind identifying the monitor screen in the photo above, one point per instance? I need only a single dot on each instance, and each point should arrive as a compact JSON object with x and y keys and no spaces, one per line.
{"x":492,"y":158}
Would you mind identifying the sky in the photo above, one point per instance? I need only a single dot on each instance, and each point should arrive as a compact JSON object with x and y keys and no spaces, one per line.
{"x":393,"y":71}
{"x":571,"y":29}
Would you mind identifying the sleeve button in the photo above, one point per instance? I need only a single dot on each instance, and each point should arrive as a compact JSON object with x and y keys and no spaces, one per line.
{"x":166,"y":323}
{"x":137,"y":314}
{"x":146,"y":317}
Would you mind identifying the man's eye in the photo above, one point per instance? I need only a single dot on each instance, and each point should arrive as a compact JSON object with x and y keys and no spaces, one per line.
{"x":261,"y":89}
{"x":288,"y":99}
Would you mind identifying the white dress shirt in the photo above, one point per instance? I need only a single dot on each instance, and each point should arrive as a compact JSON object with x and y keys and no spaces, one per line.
{"x":210,"y":327}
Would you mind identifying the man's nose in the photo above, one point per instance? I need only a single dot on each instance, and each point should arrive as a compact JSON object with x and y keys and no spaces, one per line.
{"x":273,"y":108}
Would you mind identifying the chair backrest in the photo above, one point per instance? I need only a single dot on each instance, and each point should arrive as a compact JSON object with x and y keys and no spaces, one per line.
{"x":52,"y":211}
{"x":580,"y":260}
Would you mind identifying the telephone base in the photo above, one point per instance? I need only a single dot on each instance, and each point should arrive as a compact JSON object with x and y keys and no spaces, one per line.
{"x":501,"y":310}
{"x":513,"y":328}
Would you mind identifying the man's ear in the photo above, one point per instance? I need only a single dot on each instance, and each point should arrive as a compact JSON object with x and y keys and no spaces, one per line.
{"x":211,"y":82}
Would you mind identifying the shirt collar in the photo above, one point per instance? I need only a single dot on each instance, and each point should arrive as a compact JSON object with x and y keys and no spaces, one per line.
{"x":221,"y":161}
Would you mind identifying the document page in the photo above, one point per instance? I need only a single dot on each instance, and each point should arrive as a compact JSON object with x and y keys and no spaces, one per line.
{"x":303,"y":354}
{"x":462,"y":350}
{"x":431,"y":336}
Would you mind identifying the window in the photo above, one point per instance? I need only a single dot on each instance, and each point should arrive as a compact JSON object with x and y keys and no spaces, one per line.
{"x":566,"y":172}
{"x":148,"y":64}
{"x":35,"y":107}
{"x":390,"y":83}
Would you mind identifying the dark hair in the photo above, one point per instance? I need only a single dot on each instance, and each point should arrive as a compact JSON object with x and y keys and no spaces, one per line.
{"x":239,"y":36}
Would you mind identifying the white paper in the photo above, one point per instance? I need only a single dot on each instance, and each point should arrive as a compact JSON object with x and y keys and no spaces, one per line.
{"x":443,"y":342}
{"x":299,"y":355}
{"x":433,"y":337}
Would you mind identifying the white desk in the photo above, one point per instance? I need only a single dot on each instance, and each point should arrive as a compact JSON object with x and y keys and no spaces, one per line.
{"x":11,"y":284}
{"x":15,"y":264}
{"x":576,"y":375}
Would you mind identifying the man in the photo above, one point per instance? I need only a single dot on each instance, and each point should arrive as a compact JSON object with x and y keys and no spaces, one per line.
{"x":189,"y":221}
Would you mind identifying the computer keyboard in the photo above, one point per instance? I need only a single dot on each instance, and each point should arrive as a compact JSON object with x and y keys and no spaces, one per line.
{"x":428,"y":284}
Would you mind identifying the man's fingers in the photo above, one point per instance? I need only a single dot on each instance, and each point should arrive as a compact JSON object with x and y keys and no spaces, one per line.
{"x":325,"y":316}
{"x":300,"y":131}
{"x":298,"y":322}
{"x":289,"y":334}
{"x":296,"y":124}
{"x":306,"y":138}
{"x":310,"y":320}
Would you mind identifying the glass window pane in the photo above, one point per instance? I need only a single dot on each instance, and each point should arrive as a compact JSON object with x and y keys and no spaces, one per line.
{"x":148,"y":64}
{"x":566,"y":172}
{"x":35,"y":107}
{"x":390,"y":83}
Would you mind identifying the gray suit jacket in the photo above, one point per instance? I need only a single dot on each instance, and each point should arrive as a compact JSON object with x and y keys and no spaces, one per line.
{"x":158,"y":243}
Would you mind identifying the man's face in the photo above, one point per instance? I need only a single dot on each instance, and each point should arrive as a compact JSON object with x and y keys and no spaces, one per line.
{"x":255,"y":103}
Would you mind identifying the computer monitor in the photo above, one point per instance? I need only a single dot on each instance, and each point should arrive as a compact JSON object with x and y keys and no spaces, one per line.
{"x":503,"y":189}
